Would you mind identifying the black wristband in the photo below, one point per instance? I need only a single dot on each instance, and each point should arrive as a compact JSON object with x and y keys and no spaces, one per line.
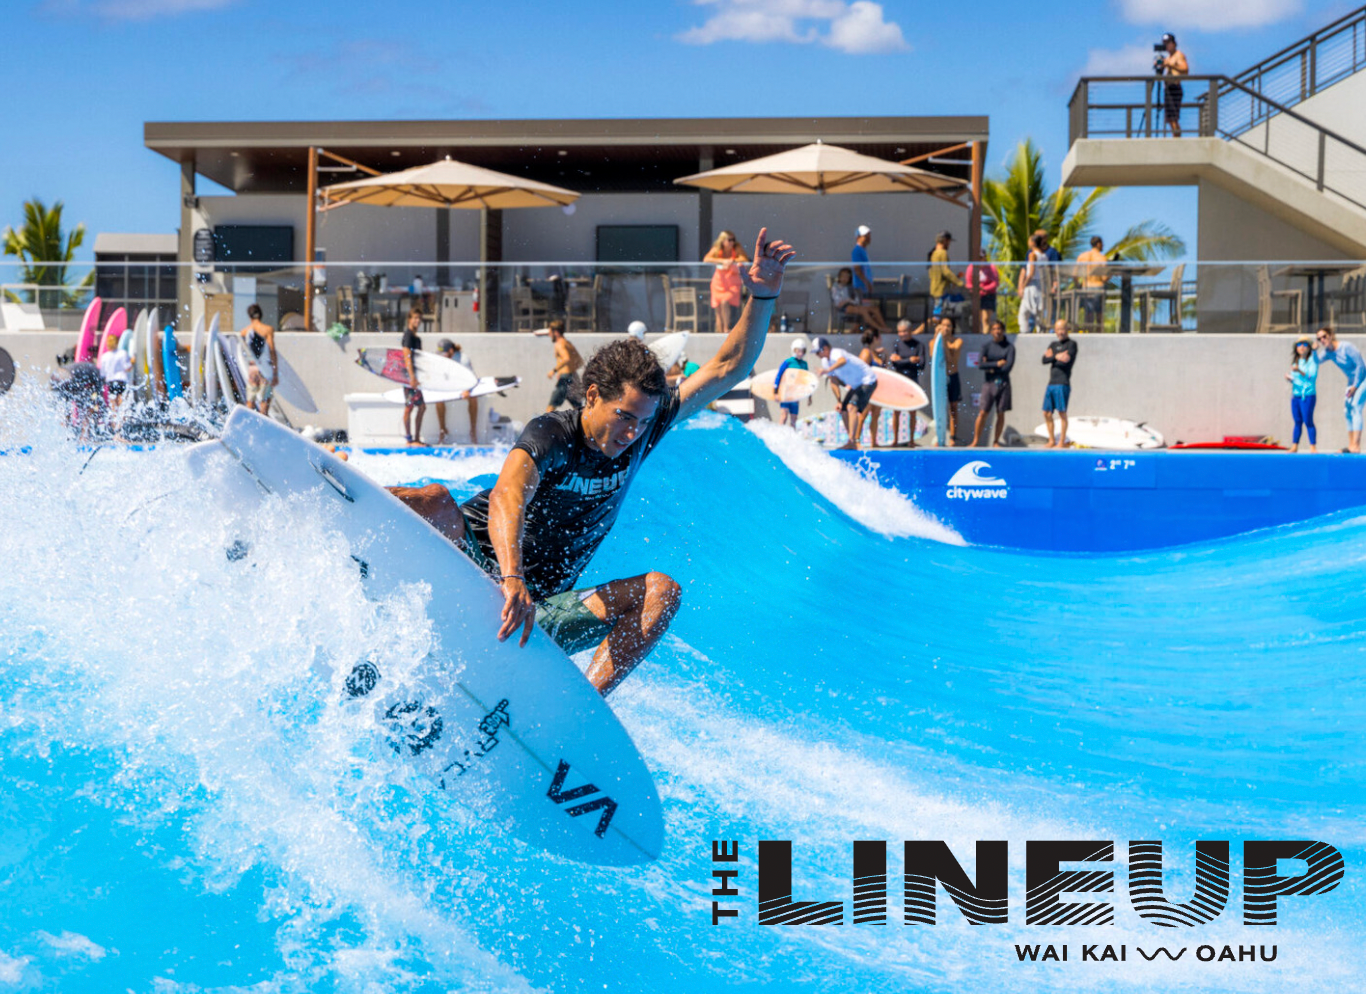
{"x":757,"y":297}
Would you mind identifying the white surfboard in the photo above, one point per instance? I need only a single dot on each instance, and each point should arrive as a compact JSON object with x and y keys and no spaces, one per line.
{"x":517,"y":734}
{"x":898,"y":393}
{"x":231,"y":351}
{"x":1108,"y":433}
{"x":798,"y":384}
{"x":434,"y":372}
{"x":485,"y":386}
{"x":137,"y":352}
{"x":156,"y":373}
{"x":226,"y":387}
{"x":212,"y":385}
{"x":669,"y":349}
{"x":197,"y":361}
{"x":291,"y":387}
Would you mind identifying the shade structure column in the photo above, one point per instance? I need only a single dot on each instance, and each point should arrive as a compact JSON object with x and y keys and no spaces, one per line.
{"x":310,"y":235}
{"x":490,"y":251}
{"x":184,"y":280}
{"x":705,"y":161}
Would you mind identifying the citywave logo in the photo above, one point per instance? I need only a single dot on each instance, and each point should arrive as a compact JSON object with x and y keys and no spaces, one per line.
{"x":973,"y":482}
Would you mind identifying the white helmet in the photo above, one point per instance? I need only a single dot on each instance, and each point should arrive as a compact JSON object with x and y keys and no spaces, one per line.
{"x":636,"y":329}
{"x":799,"y":345}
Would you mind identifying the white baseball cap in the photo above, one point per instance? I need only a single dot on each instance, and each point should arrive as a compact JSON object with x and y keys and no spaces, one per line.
{"x":798,"y":344}
{"x":863,"y":229}
{"x":636,"y":329}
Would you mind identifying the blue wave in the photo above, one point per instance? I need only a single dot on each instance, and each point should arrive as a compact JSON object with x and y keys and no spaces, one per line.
{"x":186,"y":805}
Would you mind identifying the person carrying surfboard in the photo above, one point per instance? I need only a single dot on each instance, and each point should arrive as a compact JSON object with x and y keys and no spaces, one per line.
{"x":259,"y":337}
{"x":859,"y":382}
{"x":564,"y":481}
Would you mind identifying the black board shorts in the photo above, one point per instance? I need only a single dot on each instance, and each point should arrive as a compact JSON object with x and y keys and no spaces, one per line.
{"x":955,"y":388}
{"x":1172,"y":104}
{"x":860,"y":397}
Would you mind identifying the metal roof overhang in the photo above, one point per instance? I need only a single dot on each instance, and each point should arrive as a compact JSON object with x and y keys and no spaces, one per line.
{"x":589,"y":156}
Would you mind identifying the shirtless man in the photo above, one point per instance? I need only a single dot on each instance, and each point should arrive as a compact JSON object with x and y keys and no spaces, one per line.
{"x":567,"y":364}
{"x":953,"y":348}
{"x":565,"y":480}
{"x":259,"y":337}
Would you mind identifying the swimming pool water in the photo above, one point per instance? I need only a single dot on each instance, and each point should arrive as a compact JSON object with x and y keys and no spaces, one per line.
{"x":187,"y":807}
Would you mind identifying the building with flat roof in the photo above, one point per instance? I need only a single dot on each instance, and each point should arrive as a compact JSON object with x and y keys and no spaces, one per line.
{"x":624,"y":169}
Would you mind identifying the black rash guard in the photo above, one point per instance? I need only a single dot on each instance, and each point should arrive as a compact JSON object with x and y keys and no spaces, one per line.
{"x":576,"y":501}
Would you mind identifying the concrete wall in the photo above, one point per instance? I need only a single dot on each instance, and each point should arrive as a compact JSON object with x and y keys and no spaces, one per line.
{"x":1189,"y":387}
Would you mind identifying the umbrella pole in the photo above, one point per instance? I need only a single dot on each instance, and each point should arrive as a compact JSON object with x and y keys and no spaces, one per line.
{"x":310,"y":235}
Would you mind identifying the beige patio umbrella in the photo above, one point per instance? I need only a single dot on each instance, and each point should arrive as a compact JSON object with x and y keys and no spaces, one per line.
{"x":821,"y":168}
{"x":448,"y":183}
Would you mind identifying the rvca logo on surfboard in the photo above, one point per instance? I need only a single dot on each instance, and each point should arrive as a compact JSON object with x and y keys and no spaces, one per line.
{"x":602,"y":803}
{"x":974,"y":481}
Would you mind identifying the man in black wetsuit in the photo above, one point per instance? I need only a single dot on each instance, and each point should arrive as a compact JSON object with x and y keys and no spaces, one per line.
{"x":907,"y":358}
{"x":996,"y":362}
{"x":563,"y":483}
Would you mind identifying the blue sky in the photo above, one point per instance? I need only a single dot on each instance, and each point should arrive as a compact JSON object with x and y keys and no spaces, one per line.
{"x":85,"y":74}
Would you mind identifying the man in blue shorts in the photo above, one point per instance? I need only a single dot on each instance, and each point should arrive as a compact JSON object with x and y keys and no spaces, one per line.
{"x":796,"y":361}
{"x":1062,"y":356}
{"x":563,"y":483}
{"x":1347,"y":357}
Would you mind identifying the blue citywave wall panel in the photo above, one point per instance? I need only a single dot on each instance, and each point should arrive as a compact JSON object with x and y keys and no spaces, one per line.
{"x":1091,"y":501}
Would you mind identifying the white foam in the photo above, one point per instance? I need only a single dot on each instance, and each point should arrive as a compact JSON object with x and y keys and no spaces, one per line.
{"x":393,"y":469}
{"x":854,"y":490}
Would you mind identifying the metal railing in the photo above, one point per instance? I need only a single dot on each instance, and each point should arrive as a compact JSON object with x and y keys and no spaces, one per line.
{"x":1318,"y":60}
{"x":1134,"y":107}
{"x":1277,"y":296}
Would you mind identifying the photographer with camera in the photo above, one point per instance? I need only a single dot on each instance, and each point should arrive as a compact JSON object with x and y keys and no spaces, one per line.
{"x":1171,"y":63}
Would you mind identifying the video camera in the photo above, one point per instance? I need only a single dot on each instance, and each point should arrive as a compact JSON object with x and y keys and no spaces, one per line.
{"x":1160,"y":59}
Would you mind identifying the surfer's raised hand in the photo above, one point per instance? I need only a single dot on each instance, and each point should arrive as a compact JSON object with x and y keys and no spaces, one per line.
{"x":519,"y":610}
{"x":764,"y":276}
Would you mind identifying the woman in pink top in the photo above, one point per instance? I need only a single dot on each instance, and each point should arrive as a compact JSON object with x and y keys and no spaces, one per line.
{"x":991,"y":279}
{"x":725,"y":282}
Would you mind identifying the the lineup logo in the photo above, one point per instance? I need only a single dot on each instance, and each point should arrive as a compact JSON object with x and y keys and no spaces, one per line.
{"x":928,"y":866}
{"x":972,"y":482}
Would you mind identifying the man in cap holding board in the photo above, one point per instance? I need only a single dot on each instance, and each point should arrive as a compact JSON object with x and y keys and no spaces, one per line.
{"x":563,"y":483}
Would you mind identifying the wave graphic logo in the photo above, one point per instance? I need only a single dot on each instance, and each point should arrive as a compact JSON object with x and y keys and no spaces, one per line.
{"x":974,"y":481}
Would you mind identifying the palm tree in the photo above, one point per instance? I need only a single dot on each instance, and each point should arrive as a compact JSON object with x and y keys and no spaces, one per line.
{"x":1019,"y":203}
{"x":43,"y":247}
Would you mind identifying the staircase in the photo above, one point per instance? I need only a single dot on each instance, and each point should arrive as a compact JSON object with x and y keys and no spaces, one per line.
{"x":1299,"y":72}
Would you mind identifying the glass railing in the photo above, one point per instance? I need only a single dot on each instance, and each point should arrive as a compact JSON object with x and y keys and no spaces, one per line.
{"x":465,"y":298}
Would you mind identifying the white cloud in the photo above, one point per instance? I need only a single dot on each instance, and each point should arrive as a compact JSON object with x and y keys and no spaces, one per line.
{"x":12,"y":969}
{"x":861,"y":30}
{"x":73,"y":944}
{"x":1131,"y":60}
{"x":132,"y":10}
{"x":857,"y":28}
{"x":1208,"y":15}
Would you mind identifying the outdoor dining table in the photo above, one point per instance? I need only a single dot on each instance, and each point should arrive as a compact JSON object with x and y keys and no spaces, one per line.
{"x":1316,"y":276}
{"x":1126,"y":271}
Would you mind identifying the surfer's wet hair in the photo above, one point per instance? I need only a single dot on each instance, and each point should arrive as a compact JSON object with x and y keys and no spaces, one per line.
{"x":254,"y":312}
{"x":618,"y":364}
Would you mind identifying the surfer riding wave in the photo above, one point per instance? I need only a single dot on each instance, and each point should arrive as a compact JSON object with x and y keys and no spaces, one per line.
{"x":561,"y":486}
